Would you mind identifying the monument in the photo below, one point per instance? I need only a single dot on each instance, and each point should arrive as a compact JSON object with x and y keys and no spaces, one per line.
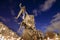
{"x":29,"y":32}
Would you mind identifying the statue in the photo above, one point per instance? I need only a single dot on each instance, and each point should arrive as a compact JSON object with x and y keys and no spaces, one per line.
{"x":28,"y":20}
{"x":29,"y":32}
{"x":22,"y":11}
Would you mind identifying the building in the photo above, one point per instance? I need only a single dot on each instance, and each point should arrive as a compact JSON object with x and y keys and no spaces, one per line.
{"x":7,"y":34}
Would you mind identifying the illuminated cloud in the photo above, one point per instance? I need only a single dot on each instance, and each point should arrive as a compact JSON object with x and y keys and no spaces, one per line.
{"x":44,"y":7}
{"x":56,"y":18}
{"x":5,"y":19}
{"x":35,"y":12}
{"x":2,"y":18}
{"x":47,"y":5}
{"x":12,"y":12}
{"x":55,"y":23}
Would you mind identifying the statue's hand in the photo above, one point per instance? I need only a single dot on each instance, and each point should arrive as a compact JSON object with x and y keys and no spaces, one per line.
{"x":20,"y":4}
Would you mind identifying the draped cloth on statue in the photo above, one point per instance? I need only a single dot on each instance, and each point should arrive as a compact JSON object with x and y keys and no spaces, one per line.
{"x":29,"y":25}
{"x":29,"y":21}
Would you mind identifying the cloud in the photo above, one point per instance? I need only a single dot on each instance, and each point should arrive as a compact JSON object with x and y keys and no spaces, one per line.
{"x":43,"y":7}
{"x":12,"y":12}
{"x":6,"y":20}
{"x":56,"y":18}
{"x":55,"y":23}
{"x":36,"y":11}
{"x":2,"y":18}
{"x":47,"y":5}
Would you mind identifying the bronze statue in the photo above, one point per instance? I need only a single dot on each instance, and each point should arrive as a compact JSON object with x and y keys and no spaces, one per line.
{"x":29,"y":33}
{"x":22,"y":11}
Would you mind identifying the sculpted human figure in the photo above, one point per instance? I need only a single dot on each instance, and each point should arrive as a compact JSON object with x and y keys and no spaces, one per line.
{"x":22,"y":11}
{"x":27,"y":23}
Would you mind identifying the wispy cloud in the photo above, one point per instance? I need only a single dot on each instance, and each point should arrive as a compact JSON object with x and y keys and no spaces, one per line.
{"x":35,"y":12}
{"x":2,"y":18}
{"x":47,"y":5}
{"x":6,"y":20}
{"x":43,"y":7}
{"x":55,"y":23}
{"x":56,"y":18}
{"x":12,"y":12}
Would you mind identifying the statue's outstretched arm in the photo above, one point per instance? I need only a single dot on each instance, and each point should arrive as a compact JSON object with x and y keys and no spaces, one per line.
{"x":19,"y":14}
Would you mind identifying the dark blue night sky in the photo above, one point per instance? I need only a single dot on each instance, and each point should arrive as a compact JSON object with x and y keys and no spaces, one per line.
{"x":10,"y":9}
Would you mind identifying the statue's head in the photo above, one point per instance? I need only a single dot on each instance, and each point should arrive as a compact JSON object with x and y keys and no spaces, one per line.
{"x":22,"y":6}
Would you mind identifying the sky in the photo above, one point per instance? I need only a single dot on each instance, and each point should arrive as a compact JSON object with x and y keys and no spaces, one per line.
{"x":46,"y":13}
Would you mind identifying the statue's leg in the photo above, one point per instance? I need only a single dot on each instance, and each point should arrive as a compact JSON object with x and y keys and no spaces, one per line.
{"x":19,"y":28}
